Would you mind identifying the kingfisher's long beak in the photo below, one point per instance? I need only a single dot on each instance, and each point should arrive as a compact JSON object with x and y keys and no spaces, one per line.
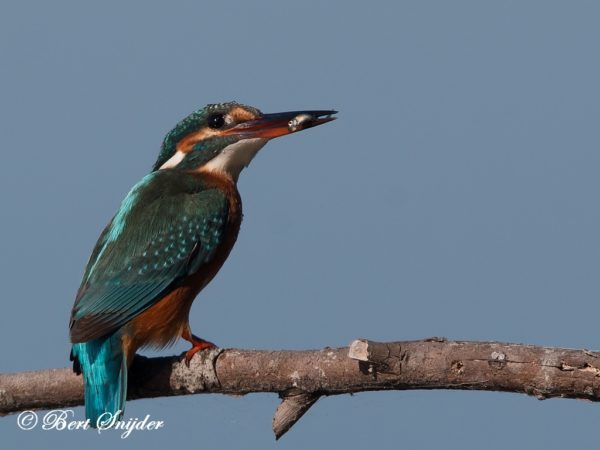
{"x":279,"y":124}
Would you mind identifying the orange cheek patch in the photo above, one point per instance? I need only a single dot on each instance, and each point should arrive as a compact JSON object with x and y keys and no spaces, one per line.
{"x":186,"y":144}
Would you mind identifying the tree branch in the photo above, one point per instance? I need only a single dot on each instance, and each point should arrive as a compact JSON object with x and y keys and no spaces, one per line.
{"x":302,"y":377}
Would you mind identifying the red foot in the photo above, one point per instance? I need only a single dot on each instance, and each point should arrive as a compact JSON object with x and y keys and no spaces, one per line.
{"x":198,"y":344}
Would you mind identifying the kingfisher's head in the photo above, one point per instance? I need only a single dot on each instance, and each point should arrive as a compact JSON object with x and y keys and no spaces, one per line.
{"x":225,"y":136}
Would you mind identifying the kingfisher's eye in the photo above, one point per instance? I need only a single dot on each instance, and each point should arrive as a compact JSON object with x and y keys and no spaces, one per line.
{"x":216,"y":121}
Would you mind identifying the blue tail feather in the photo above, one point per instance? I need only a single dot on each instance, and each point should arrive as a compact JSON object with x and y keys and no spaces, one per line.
{"x":104,"y":368}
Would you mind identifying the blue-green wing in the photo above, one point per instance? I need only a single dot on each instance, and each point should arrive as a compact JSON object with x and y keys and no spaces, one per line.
{"x":159,"y":235}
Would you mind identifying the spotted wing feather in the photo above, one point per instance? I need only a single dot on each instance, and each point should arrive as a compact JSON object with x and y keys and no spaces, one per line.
{"x":158,"y":236}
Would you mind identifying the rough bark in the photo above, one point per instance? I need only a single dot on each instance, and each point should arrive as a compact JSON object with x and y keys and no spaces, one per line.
{"x":302,"y":377}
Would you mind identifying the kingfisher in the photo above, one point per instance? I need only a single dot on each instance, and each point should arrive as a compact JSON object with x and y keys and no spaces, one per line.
{"x":166,"y":242}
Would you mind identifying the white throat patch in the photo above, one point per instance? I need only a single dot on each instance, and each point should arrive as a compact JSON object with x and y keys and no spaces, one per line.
{"x":235,"y":157}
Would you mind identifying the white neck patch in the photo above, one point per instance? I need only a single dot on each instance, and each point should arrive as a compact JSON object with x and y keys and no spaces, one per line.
{"x":235,"y":157}
{"x":173,"y":161}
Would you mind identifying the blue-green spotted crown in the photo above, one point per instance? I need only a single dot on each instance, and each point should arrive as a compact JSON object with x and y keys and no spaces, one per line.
{"x":194,"y":121}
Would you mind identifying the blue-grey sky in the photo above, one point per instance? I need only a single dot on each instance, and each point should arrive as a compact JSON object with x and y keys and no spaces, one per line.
{"x":457,"y":196}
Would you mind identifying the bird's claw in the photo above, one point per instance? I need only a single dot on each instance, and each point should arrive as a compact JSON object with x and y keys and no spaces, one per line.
{"x":198,"y":346}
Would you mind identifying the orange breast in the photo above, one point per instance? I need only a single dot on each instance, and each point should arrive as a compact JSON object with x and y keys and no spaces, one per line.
{"x":163,"y":323}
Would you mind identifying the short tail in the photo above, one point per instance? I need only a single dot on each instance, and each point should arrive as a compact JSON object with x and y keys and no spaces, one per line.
{"x":104,"y":369}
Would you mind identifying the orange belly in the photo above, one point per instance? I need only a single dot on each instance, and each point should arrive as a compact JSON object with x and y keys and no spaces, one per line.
{"x":161,"y":324}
